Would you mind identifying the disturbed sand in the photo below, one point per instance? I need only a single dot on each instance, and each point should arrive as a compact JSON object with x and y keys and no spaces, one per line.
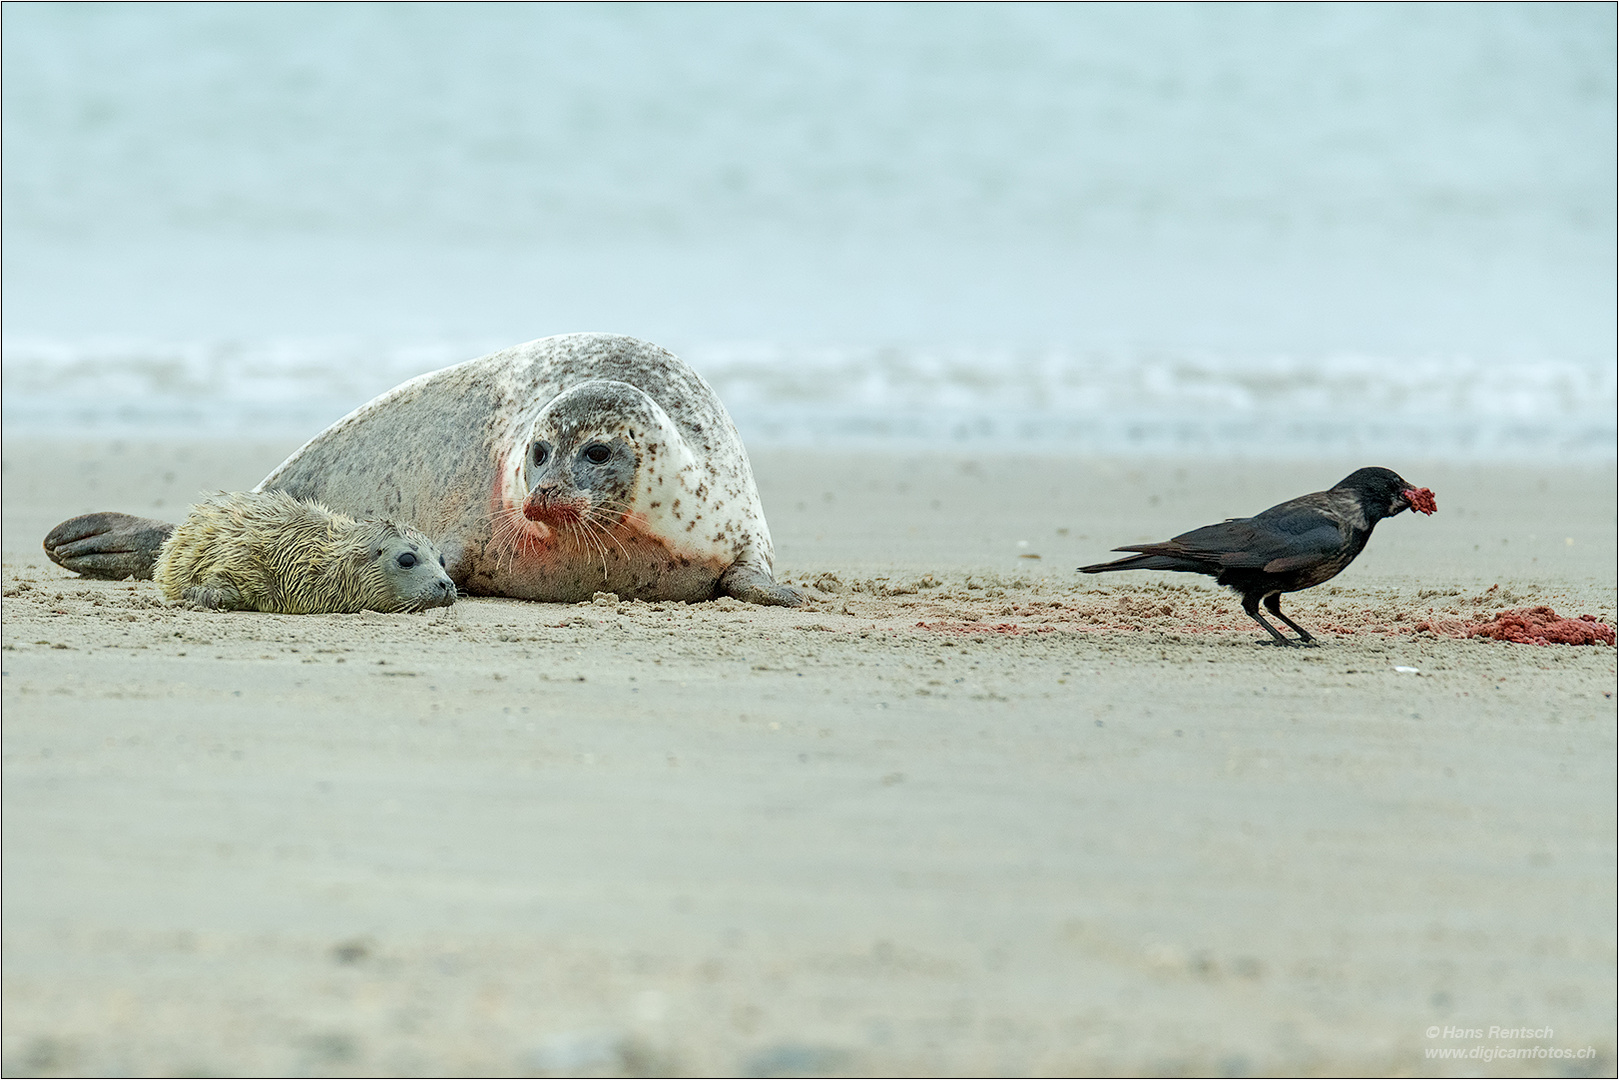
{"x":964,"y":812}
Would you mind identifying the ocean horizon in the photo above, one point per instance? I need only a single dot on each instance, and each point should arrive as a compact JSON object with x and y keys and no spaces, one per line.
{"x":1243,"y":231}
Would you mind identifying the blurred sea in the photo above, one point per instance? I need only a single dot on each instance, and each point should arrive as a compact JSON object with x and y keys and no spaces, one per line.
{"x":1240,"y":230}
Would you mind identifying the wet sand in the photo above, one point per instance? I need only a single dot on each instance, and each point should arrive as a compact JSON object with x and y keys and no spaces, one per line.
{"x":965,"y":812}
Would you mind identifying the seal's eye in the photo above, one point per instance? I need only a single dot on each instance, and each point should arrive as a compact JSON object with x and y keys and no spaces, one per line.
{"x":540,"y":453}
{"x":596,"y":453}
{"x":407,"y":559}
{"x":441,"y":560}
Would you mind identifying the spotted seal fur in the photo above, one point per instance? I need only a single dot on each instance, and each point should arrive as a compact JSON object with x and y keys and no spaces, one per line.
{"x":548,"y":471}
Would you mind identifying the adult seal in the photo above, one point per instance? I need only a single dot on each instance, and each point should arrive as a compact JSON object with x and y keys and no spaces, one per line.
{"x":553,"y":470}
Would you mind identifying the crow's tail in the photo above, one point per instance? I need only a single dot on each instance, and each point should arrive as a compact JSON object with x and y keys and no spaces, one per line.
{"x":1139,"y":562}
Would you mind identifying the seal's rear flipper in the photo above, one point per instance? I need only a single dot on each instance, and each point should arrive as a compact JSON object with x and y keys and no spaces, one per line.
{"x":107,"y":545}
{"x":755,"y":586}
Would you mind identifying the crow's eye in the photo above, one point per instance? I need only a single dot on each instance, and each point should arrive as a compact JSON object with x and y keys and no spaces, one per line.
{"x":596,"y":453}
{"x":406,"y":559}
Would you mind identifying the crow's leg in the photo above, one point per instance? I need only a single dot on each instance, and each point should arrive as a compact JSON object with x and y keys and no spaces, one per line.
{"x":1274,"y":602}
{"x":1250,"y":604}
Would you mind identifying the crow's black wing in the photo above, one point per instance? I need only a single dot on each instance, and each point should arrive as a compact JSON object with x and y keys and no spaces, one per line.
{"x":1274,"y":543}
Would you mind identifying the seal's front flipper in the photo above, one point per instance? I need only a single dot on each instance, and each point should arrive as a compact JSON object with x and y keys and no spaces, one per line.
{"x":107,"y":545}
{"x":215,"y":594}
{"x":755,"y":586}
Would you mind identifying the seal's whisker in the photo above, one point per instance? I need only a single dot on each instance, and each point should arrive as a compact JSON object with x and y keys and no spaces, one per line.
{"x":581,"y":529}
{"x":502,"y":538}
{"x":606,"y":527}
{"x":497,"y":537}
{"x":600,"y":530}
{"x":617,"y":503}
{"x":510,"y":536}
{"x":612,"y":512}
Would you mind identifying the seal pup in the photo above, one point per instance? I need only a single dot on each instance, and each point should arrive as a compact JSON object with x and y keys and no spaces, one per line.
{"x":1294,"y":545}
{"x":270,"y":552}
{"x":552,"y":470}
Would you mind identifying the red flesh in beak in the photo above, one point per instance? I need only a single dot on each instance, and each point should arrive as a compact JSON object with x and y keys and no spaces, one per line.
{"x":1421,"y":500}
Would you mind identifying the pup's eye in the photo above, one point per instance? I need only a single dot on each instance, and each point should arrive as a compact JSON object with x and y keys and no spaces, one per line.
{"x":441,"y":560}
{"x":406,"y":559}
{"x":596,"y":453}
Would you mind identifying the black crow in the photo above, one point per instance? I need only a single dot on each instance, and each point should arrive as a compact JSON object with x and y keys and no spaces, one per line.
{"x":1291,"y":546}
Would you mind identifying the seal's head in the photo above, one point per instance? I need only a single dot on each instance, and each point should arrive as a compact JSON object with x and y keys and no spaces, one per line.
{"x":586,"y":455}
{"x":402,"y":570}
{"x":569,"y":480}
{"x":603,"y":490}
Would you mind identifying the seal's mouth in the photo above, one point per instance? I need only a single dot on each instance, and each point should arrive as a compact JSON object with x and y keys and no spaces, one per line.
{"x":439,"y":593}
{"x":553,"y":510}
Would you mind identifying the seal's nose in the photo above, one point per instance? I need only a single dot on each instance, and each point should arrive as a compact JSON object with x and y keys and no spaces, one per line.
{"x":540,"y":500}
{"x":441,"y":594}
{"x":554,"y":504}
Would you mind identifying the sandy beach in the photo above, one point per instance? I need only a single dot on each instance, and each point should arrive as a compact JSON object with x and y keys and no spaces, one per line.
{"x":964,"y":812}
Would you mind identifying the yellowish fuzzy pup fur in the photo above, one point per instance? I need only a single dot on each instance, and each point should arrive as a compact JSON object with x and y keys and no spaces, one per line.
{"x":266,"y":551}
